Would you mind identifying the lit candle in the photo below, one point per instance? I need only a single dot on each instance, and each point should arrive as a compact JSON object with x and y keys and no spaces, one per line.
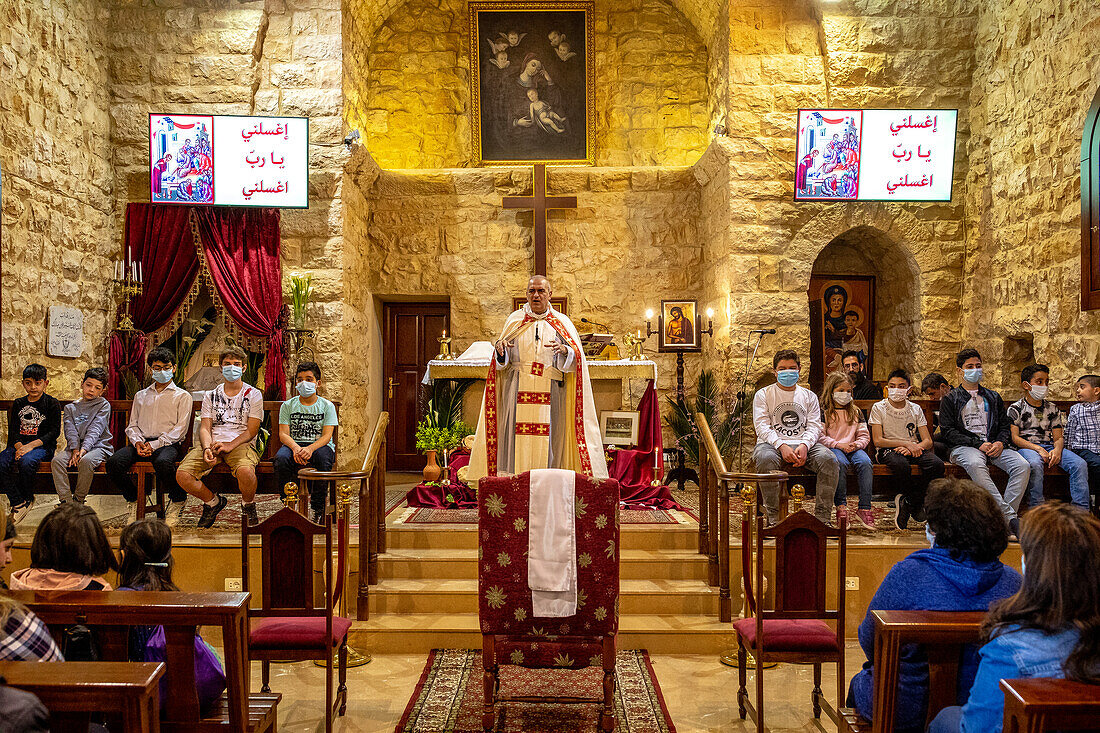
{"x":141,"y":278}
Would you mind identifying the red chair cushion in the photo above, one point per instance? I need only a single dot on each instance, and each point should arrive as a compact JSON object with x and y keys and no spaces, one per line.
{"x":790,"y":635}
{"x":297,"y":632}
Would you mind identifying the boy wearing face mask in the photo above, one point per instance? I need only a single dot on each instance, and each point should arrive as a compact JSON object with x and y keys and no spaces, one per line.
{"x":230,"y":420}
{"x":787,"y":419}
{"x":1037,"y":433}
{"x":975,"y":427}
{"x":158,"y":423}
{"x":306,"y":425}
{"x":900,"y":432}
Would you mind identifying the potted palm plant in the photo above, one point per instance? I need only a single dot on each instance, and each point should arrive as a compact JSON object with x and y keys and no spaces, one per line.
{"x":725,"y":416}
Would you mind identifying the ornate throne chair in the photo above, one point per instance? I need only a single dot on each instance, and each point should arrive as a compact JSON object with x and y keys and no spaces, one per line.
{"x":510,"y":632}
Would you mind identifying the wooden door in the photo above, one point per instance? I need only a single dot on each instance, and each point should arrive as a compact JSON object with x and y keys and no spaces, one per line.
{"x":411,"y":333}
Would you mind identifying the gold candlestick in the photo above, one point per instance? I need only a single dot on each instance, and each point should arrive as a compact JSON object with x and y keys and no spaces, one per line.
{"x":126,"y":285}
{"x":444,"y":348}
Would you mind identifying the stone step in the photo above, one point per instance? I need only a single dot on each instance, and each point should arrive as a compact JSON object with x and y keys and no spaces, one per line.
{"x":687,"y":597}
{"x":415,"y":633}
{"x":464,"y":536}
{"x":420,"y":564}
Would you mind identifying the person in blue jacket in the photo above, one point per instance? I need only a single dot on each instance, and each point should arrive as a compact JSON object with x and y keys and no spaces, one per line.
{"x":1050,"y":628}
{"x":959,"y":572}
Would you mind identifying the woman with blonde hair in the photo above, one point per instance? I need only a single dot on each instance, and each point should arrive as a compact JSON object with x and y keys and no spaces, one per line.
{"x":846,"y":435}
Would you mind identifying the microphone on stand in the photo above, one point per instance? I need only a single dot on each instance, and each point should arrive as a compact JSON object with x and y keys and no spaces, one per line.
{"x":597,"y":323}
{"x":763,"y":330}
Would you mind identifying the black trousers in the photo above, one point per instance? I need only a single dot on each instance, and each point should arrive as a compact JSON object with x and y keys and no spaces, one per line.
{"x":164,"y":466}
{"x":913,"y":487}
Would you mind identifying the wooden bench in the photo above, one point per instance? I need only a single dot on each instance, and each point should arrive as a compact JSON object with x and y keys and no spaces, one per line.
{"x":943,"y":634}
{"x":111,"y":613}
{"x":1041,"y":704}
{"x":142,"y":469}
{"x":72,"y":691}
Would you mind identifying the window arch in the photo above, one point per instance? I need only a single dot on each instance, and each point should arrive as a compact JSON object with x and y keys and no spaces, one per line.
{"x":1090,"y":208}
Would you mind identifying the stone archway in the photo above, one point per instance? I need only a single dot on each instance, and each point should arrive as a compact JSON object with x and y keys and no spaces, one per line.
{"x":866,"y":250}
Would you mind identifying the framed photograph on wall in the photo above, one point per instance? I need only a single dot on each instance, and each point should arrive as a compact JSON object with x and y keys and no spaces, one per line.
{"x":842,"y":318}
{"x":560,"y":303}
{"x":619,"y":427}
{"x":531,"y":76}
{"x":678,"y":326}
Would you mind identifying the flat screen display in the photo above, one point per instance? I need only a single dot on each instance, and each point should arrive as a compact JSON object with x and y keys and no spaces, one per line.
{"x":227,"y":160}
{"x":875,"y":154}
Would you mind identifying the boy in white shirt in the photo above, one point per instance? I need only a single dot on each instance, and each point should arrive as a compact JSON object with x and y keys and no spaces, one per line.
{"x":159,"y":419}
{"x":787,"y":419}
{"x":230,"y":420}
{"x":899,"y":431}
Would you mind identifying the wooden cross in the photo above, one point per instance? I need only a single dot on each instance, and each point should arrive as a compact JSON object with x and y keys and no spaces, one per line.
{"x":541,"y":203}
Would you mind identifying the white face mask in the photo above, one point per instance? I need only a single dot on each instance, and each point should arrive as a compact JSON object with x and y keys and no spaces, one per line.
{"x":842,"y":398}
{"x":897,"y":394}
{"x":1039,"y":392}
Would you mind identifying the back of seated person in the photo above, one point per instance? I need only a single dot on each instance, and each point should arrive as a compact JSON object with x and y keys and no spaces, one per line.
{"x":788,"y":424}
{"x":1050,"y":627}
{"x":959,"y":572}
{"x":23,"y":637}
{"x":70,"y":552}
{"x":146,"y":547}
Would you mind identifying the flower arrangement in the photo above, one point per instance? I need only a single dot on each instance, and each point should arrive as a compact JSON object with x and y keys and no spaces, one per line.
{"x":301,"y":288}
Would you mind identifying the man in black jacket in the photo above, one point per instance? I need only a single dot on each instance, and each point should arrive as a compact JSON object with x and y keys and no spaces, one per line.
{"x":862,"y":387}
{"x":975,"y":427}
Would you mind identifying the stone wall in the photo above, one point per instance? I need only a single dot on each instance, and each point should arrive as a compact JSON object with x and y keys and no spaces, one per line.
{"x":651,"y":101}
{"x":1032,"y":88}
{"x":59,"y":239}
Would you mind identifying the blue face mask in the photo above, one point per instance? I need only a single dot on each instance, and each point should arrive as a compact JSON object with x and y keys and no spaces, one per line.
{"x":973,"y":376}
{"x":306,"y":389}
{"x":931,"y":537}
{"x":162,"y":377}
{"x":232,"y":372}
{"x":787,"y":377}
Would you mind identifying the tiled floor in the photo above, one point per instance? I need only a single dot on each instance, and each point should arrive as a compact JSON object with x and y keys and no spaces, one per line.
{"x":699,"y":692}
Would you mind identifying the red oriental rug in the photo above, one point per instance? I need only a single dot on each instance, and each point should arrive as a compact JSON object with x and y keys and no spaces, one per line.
{"x":425,"y":515}
{"x":449,"y":695}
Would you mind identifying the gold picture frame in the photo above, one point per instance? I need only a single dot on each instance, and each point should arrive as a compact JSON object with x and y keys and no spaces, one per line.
{"x":510,"y":126}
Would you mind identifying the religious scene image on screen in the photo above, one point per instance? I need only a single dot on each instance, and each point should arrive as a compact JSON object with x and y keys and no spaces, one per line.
{"x":875,"y":155}
{"x":828,"y":155}
{"x":182,"y":159}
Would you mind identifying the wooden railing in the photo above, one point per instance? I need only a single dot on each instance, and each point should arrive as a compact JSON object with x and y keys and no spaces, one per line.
{"x":372,"y":509}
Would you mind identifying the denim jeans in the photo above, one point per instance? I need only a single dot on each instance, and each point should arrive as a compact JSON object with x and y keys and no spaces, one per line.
{"x":17,"y":476}
{"x":976,"y":465}
{"x":1092,"y":459}
{"x":864,"y":476}
{"x":819,"y":459}
{"x":286,"y":471}
{"x":1071,"y":463}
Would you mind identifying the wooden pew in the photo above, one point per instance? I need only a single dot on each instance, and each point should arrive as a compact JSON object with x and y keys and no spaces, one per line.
{"x":1042,"y":704}
{"x":943,"y":634}
{"x":71,"y":691}
{"x":143,"y":469}
{"x":113,"y":612}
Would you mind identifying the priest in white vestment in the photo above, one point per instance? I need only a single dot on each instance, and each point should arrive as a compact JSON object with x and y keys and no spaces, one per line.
{"x":537,"y":411}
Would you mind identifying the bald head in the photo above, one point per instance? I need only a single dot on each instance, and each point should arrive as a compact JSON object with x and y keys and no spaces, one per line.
{"x":538,"y":293}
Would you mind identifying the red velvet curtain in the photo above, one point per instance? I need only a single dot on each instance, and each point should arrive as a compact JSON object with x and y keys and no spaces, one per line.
{"x":159,"y":237}
{"x":241,"y":247}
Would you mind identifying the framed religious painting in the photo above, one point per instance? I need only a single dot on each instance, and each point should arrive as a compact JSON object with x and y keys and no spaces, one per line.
{"x":619,"y":428}
{"x":560,"y":303}
{"x":531,"y":76}
{"x":842,"y":318}
{"x":678,"y":326}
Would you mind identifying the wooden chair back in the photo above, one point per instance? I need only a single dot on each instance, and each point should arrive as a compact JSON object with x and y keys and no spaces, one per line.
{"x":801,"y":547}
{"x":1041,"y":704}
{"x":111,"y":613}
{"x":287,"y":564}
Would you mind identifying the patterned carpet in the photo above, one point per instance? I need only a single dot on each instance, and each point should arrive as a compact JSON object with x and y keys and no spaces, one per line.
{"x":423,"y":515}
{"x":229,"y":519}
{"x":449,"y":697}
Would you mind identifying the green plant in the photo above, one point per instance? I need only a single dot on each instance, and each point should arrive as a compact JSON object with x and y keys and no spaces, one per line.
{"x":301,"y":288}
{"x":445,"y":407}
{"x":186,"y":340}
{"x":431,"y":437}
{"x":725,"y":417}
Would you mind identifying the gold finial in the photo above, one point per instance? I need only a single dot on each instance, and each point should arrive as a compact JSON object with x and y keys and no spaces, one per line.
{"x":798,"y":493}
{"x":748,"y":495}
{"x":344,"y":493}
{"x":290,"y":494}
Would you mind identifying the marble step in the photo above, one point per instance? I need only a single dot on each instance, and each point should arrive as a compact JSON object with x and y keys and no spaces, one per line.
{"x":418,"y":633}
{"x":464,"y":536}
{"x":419,"y":564}
{"x":688,"y":597}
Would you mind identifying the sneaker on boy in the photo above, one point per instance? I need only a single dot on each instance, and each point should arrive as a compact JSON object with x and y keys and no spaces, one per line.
{"x":34,"y":424}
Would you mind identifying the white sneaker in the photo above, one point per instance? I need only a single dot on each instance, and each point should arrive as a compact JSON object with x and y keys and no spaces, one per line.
{"x":131,"y":512}
{"x":173,"y":512}
{"x":20,"y":512}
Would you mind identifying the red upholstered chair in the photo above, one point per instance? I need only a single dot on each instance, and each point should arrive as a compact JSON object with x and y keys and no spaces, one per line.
{"x":795,"y":630}
{"x":288,"y":625}
{"x":510,"y":632}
